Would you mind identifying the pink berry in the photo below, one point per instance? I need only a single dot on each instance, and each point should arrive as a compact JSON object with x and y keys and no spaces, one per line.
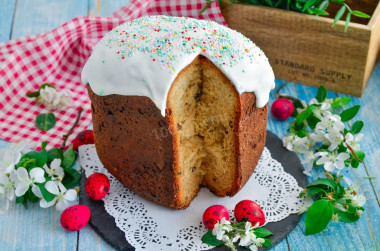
{"x":84,"y":138}
{"x":97,"y":186}
{"x":215,"y":214}
{"x":282,"y":108}
{"x":75,"y":218}
{"x":248,"y":210}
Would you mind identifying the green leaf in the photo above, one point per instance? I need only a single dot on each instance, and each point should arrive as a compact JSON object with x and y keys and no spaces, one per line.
{"x":360,"y":154}
{"x":354,"y":163}
{"x":43,"y":145}
{"x":324,"y":182}
{"x":347,"y":217}
{"x":211,"y":240}
{"x":296,"y":104}
{"x":55,"y":153}
{"x":69,"y":158}
{"x":312,"y":121}
{"x":360,"y":14}
{"x":339,"y":15}
{"x":30,"y":195}
{"x":348,"y":18}
{"x":356,"y":127}
{"x":45,"y":121}
{"x":324,"y":5}
{"x":72,"y":177}
{"x":206,"y":7}
{"x":42,"y":158}
{"x":322,"y":94}
{"x":22,"y":200}
{"x":305,"y":114}
{"x":340,"y":102}
{"x":45,"y":85}
{"x":33,"y":94}
{"x":45,"y":193}
{"x":267,"y":243}
{"x":349,"y":113}
{"x":262,"y":232}
{"x":314,"y":190}
{"x":318,"y":216}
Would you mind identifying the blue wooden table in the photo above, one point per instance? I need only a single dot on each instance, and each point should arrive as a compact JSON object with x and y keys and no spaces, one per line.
{"x":39,"y":229}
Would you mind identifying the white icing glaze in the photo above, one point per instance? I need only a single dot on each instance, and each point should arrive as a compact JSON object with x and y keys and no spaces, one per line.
{"x":143,"y":57}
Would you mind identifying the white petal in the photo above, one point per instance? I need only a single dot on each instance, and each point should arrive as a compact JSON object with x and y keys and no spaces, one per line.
{"x":37,"y":174}
{"x":70,"y":195}
{"x":52,"y":188}
{"x":10,"y":194}
{"x":55,"y":163}
{"x":36,"y":191}
{"x":62,"y":205}
{"x":339,"y":164}
{"x":22,"y":174}
{"x":59,"y":172}
{"x":61,"y":187}
{"x":359,"y":137}
{"x":329,"y":167}
{"x":21,"y":189}
{"x":47,"y":170}
{"x":253,"y":247}
{"x":4,"y":179}
{"x":322,"y":160}
{"x":343,"y":156}
{"x":45,"y":204}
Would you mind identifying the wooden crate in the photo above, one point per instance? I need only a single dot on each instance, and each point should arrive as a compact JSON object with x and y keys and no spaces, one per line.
{"x":304,"y":49}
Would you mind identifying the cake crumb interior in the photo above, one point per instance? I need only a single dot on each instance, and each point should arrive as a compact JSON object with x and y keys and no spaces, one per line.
{"x":204,"y":105}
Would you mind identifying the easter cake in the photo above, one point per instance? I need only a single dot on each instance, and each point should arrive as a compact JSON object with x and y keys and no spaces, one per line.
{"x":177,"y":104}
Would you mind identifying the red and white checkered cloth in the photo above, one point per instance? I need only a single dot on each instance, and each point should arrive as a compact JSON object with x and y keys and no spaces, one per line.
{"x":57,"y":57}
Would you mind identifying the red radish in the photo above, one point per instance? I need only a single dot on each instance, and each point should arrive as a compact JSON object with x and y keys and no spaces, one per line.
{"x":248,"y":210}
{"x":282,"y":108}
{"x":75,"y":218}
{"x":97,"y":186}
{"x":83,"y":138}
{"x":215,"y":214}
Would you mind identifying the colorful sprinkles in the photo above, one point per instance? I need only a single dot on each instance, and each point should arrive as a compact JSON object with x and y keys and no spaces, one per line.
{"x":168,"y":39}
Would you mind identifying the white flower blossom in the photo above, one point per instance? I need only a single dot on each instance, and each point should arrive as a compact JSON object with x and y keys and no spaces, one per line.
{"x":25,"y":180}
{"x":220,"y":228}
{"x":330,"y":161}
{"x":246,"y":239}
{"x":323,"y":110}
{"x":7,"y":191}
{"x":53,"y":99}
{"x":296,"y":144}
{"x":309,"y":161}
{"x":7,"y":185}
{"x":353,"y":141}
{"x":334,"y":139}
{"x":358,"y":200}
{"x":10,"y":156}
{"x":331,"y":123}
{"x":55,"y":171}
{"x":359,"y":213}
{"x":63,"y":196}
{"x":335,"y":218}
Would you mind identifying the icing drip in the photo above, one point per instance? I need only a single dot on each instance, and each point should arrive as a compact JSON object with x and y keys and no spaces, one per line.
{"x":143,"y":57}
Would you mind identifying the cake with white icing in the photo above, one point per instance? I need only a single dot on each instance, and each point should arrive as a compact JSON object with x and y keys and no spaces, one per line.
{"x":177,"y":104}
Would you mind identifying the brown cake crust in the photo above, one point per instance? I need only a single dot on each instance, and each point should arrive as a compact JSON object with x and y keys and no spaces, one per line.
{"x":134,"y":142}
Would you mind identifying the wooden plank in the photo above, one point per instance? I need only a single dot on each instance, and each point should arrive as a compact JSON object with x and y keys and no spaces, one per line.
{"x":303,"y":48}
{"x":37,"y":16}
{"x":37,"y":228}
{"x":105,"y":8}
{"x":6,"y":17}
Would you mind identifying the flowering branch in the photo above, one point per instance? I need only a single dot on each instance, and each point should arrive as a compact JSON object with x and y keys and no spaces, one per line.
{"x":319,"y":135}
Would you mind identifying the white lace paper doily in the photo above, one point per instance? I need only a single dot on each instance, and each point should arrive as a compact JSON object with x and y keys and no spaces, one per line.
{"x":148,"y":226}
